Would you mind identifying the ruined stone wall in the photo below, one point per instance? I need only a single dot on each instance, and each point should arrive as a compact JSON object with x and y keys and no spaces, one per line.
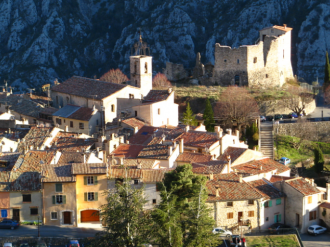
{"x":175,"y":72}
{"x":273,"y":107}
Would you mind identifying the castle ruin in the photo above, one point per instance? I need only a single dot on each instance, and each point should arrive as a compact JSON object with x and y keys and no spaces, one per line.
{"x":266,"y":64}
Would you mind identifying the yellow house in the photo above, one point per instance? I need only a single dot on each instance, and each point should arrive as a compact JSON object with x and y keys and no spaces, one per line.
{"x":91,"y":183}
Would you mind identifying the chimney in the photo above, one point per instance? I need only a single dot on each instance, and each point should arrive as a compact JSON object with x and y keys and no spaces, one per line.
{"x":284,"y":25}
{"x":139,"y":166}
{"x":121,"y":161}
{"x":328,"y":191}
{"x":229,"y":163}
{"x":229,"y":131}
{"x":3,"y":89}
{"x":217,"y":192}
{"x":84,"y":158}
{"x":237,"y":133}
{"x":11,"y":91}
{"x":216,"y":129}
{"x":169,"y":151}
{"x":260,"y":168}
{"x":255,"y":148}
{"x":169,"y":90}
{"x":312,"y":182}
{"x":187,"y":128}
{"x":181,"y":147}
{"x":174,"y":145}
{"x":94,"y":108}
{"x":112,"y":136}
{"x":66,"y":128}
{"x":136,"y":129}
{"x":211,"y":176}
{"x":127,"y":142}
{"x":240,"y":178}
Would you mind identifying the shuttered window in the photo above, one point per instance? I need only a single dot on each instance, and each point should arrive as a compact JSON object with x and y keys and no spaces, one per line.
{"x":251,"y":214}
{"x":59,"y":199}
{"x":91,"y":196}
{"x":277,"y":218}
{"x":310,"y":199}
{"x":312,"y":215}
{"x":90,"y":180}
{"x":278,"y":201}
{"x":230,"y":215}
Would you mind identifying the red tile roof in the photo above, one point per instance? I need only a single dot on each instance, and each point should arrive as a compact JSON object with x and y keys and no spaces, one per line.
{"x":190,"y":158}
{"x":147,"y":176}
{"x":33,"y":161}
{"x":325,"y":205}
{"x":229,"y":188}
{"x":134,"y":123}
{"x":261,"y":166}
{"x":122,"y":173}
{"x":65,"y":141}
{"x":83,"y":114}
{"x":57,"y":173}
{"x":158,"y":151}
{"x":35,"y":137}
{"x":10,"y":158}
{"x":88,"y":88}
{"x":210,"y":167}
{"x":156,"y":96}
{"x":276,"y":178}
{"x":90,"y":168}
{"x":302,"y":186}
{"x":233,"y":152}
{"x":198,"y":139}
{"x":127,"y":150}
{"x":25,"y":181}
{"x":143,"y":136}
{"x":267,"y":190}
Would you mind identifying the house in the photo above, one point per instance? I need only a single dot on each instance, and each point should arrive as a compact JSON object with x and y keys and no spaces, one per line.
{"x":272,"y":203}
{"x":190,"y":158}
{"x":302,"y":202}
{"x":239,"y":155}
{"x":132,"y":123}
{"x":5,"y":210}
{"x":78,"y":119}
{"x":234,"y":201}
{"x":59,"y":195}
{"x":325,"y":207}
{"x":210,"y":167}
{"x":8,"y":145}
{"x":158,"y":108}
{"x":91,"y":182}
{"x":71,"y":142}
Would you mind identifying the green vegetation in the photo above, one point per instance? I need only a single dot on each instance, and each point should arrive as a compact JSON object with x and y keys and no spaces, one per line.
{"x":318,"y":159}
{"x":272,"y":241}
{"x":208,"y":116}
{"x":198,"y":92}
{"x":252,"y":135}
{"x":189,"y":117}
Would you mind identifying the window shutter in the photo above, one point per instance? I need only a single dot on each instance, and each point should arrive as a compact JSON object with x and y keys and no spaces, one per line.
{"x":64,"y":199}
{"x":85,"y":180}
{"x":96,"y":196}
{"x":95,"y":180}
{"x":279,"y":218}
{"x":54,"y":200}
{"x":85,"y":196}
{"x":275,"y":219}
{"x":270,"y":203}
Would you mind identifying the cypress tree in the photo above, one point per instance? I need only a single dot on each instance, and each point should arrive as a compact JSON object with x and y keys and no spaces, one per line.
{"x":326,"y":71}
{"x":208,"y":116}
{"x":318,"y":159}
{"x":189,"y":117}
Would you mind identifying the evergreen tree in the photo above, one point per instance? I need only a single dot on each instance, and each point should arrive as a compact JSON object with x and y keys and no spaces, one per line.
{"x":127,"y":224}
{"x":208,"y":116}
{"x":326,"y":71}
{"x":183,"y":211}
{"x":318,"y":159}
{"x":189,"y":117}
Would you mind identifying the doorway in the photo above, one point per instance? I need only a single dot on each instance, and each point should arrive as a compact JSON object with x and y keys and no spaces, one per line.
{"x":297,"y":220}
{"x":240,"y":217}
{"x":16,"y":215}
{"x":237,"y":80}
{"x":66,"y":217}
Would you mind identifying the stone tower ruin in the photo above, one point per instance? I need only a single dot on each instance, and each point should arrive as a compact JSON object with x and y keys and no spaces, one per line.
{"x":266,"y":64}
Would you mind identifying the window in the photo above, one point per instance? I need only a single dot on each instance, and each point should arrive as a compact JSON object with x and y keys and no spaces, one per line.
{"x":225,"y":61}
{"x":135,"y":82}
{"x":131,"y":96}
{"x":59,"y":121}
{"x":266,"y":75}
{"x":157,"y":187}
{"x":250,"y":202}
{"x":90,"y":180}
{"x":146,"y":67}
{"x":71,"y":124}
{"x":237,"y":61}
{"x":255,"y":60}
{"x":59,"y":199}
{"x":277,"y":218}
{"x":312,"y":215}
{"x":136,"y":181}
{"x":34,"y":211}
{"x":91,"y":196}
{"x":229,"y":204}
{"x":310,"y":199}
{"x":230,"y":215}
{"x":158,"y":111}
{"x":135,"y":67}
{"x":267,"y":218}
{"x":26,"y":197}
{"x":97,"y":122}
{"x":154,"y":201}
{"x":278,"y":201}
{"x":4,"y":213}
{"x":53,"y":215}
{"x":58,"y":188}
{"x":81,"y":126}
{"x":114,"y":146}
{"x":135,"y":114}
{"x":200,"y":150}
{"x":250,"y":213}
{"x":268,"y":204}
{"x":112,"y":108}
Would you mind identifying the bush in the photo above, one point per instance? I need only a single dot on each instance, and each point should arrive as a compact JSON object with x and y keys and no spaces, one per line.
{"x":255,"y":137}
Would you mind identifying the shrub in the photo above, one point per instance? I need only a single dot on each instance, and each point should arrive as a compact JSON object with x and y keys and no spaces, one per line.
{"x":255,"y":137}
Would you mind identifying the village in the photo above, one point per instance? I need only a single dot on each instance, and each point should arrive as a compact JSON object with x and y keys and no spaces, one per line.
{"x":58,"y":158}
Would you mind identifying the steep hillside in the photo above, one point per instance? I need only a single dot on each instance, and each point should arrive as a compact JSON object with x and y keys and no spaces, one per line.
{"x":46,"y":39}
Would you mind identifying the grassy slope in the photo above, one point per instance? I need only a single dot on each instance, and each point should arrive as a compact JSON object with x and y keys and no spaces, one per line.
{"x":270,"y":241}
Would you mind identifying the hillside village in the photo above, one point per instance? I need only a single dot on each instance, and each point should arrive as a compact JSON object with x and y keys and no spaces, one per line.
{"x":57,"y":160}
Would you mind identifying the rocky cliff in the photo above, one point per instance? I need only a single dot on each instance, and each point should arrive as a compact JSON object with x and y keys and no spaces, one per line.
{"x":46,"y":39}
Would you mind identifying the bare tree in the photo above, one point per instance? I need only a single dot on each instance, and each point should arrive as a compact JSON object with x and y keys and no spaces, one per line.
{"x":236,"y":105}
{"x":115,"y":76}
{"x":160,"y":81}
{"x":327,"y":95}
{"x":296,"y":99}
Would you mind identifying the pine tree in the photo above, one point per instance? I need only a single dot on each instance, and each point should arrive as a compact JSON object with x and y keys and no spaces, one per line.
{"x":318,"y":159}
{"x":326,"y":71}
{"x":127,"y":224}
{"x":208,"y":116}
{"x":189,"y":117}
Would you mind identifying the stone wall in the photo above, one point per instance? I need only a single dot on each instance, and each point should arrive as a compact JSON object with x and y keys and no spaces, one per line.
{"x":272,"y":107}
{"x":175,"y":71}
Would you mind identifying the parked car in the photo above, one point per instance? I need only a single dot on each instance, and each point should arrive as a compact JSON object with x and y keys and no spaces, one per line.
{"x":41,"y":244}
{"x":269,"y":118}
{"x":7,"y":245}
{"x":222,"y":232}
{"x":285,"y":161}
{"x":10,"y":224}
{"x":262,"y":118}
{"x":275,"y":228}
{"x":293,"y":115}
{"x":24,"y":243}
{"x":236,"y":240}
{"x":278,"y":116}
{"x":74,"y":243}
{"x":316,"y":229}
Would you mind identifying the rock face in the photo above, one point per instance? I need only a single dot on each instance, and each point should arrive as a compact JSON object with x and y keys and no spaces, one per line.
{"x":48,"y":39}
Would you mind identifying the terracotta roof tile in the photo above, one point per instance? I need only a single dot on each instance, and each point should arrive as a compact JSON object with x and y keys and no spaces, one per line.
{"x":121,"y":173}
{"x":193,"y":158}
{"x":57,"y":173}
{"x":25,"y":181}
{"x":134,"y":123}
{"x":143,"y":136}
{"x":35,"y":138}
{"x":325,"y":205}
{"x":4,"y":181}
{"x":10,"y":159}
{"x":88,"y":88}
{"x":303,"y":186}
{"x":198,"y":139}
{"x":276,"y":178}
{"x":127,"y":150}
{"x":229,"y":188}
{"x":147,"y":176}
{"x":71,"y":157}
{"x":66,"y":142}
{"x":32,"y":161}
{"x":233,"y":152}
{"x":152,"y":176}
{"x":210,"y":167}
{"x":158,"y":151}
{"x":90,"y":168}
{"x":83,"y":113}
{"x":267,"y":190}
{"x":156,"y":96}
{"x":285,"y":29}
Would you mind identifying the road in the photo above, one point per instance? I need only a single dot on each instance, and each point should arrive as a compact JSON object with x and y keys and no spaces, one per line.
{"x":316,"y":241}
{"x":50,"y":231}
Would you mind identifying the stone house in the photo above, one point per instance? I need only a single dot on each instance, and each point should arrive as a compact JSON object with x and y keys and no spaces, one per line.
{"x":8,"y":145}
{"x":267,"y":63}
{"x":240,"y":155}
{"x":233,"y":201}
{"x":272,"y":203}
{"x":302,"y":202}
{"x":71,"y":118}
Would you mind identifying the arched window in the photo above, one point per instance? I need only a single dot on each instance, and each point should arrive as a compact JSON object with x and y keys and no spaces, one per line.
{"x":135,"y":67}
{"x":146,"y":67}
